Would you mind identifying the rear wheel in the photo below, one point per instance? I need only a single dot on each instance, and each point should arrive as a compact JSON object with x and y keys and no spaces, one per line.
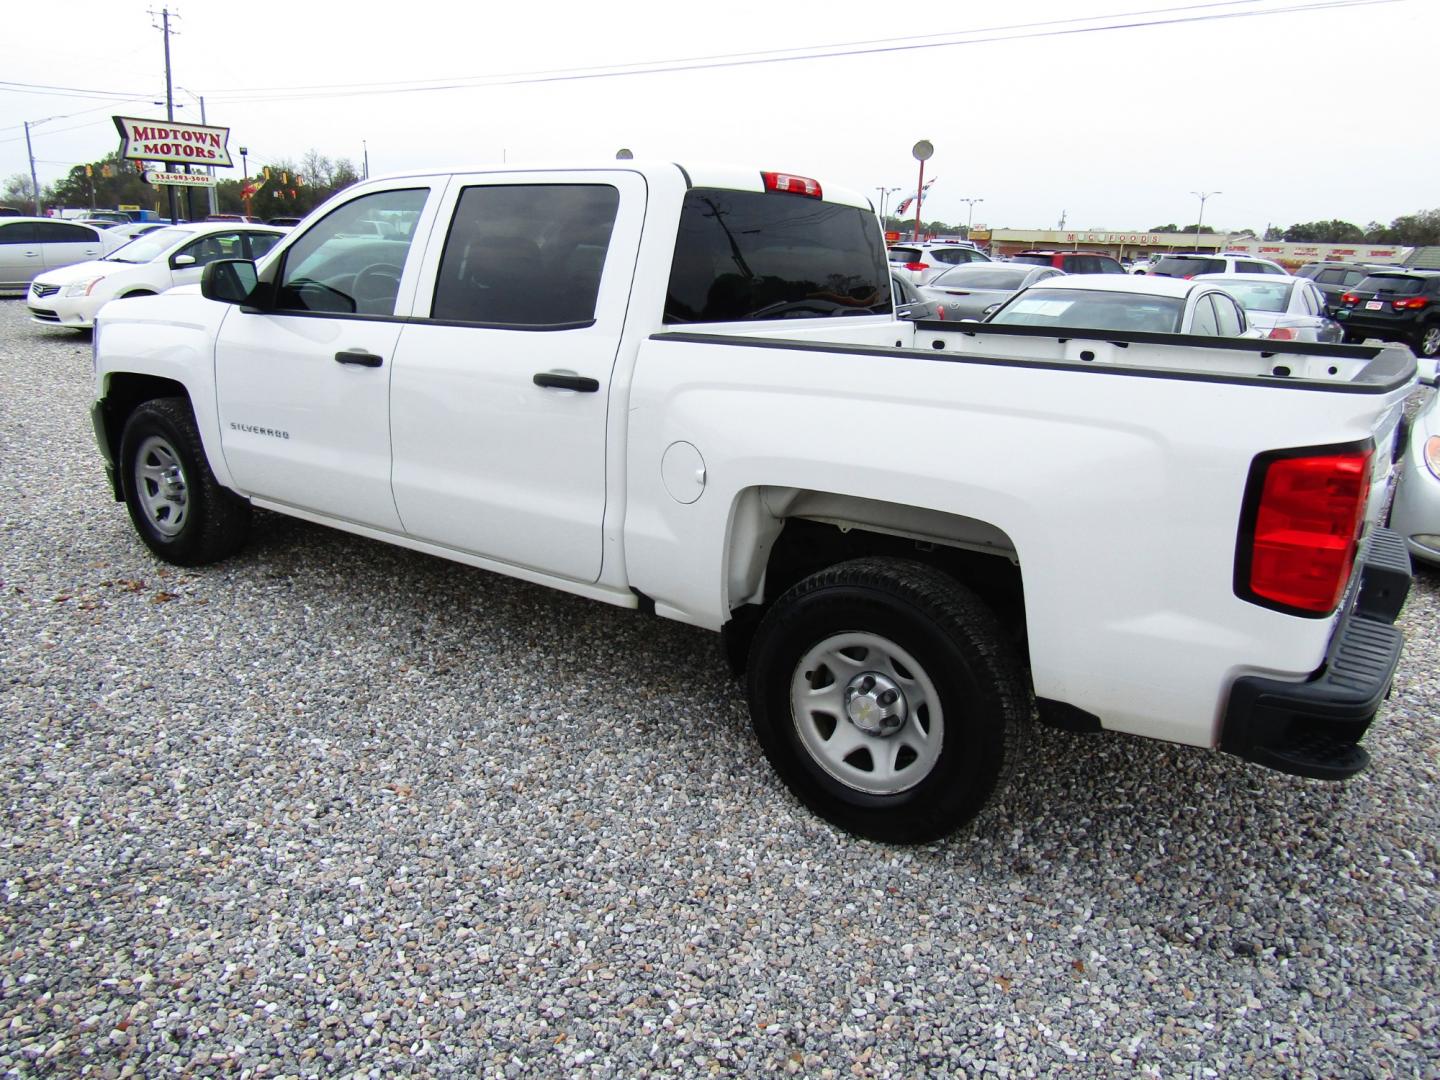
{"x":1427,"y":341}
{"x":885,"y":695}
{"x":176,"y":504}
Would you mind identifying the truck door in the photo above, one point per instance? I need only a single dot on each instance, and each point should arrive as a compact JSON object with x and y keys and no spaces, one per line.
{"x":501,"y":382}
{"x":304,"y":386}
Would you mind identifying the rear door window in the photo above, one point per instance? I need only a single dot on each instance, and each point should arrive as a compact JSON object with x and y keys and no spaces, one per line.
{"x":1227,"y":316}
{"x":526,"y":255}
{"x":767,"y":255}
{"x":1204,"y":321}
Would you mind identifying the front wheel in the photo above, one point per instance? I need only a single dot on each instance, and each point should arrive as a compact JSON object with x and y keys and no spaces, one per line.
{"x":1427,"y":342}
{"x":177,"y":506}
{"x":886,"y":697}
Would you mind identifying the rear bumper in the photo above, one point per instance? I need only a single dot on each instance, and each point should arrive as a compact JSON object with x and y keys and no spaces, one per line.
{"x":1313,"y":728}
{"x":1358,"y":321}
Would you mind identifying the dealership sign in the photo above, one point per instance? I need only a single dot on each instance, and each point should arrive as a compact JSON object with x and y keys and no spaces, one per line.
{"x":179,"y":179}
{"x":165,"y":140}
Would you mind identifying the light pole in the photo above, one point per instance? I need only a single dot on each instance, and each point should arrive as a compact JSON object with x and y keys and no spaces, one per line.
{"x":971,"y":215}
{"x":245,"y":181}
{"x":885,"y":193}
{"x":921,"y":152}
{"x":1202,"y":196}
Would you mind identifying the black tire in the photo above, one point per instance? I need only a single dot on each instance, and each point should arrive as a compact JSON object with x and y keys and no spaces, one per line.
{"x":981,"y":707}
{"x":1427,"y":340}
{"x":177,"y":506}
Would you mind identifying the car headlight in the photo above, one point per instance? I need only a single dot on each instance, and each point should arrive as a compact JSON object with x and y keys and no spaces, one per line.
{"x":1432,"y":455}
{"x":82,"y":288}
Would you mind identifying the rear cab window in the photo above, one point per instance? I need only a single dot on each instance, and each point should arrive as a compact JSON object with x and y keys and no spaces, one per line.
{"x":743,"y":255}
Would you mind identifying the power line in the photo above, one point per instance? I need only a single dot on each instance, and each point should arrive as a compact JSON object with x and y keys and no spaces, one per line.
{"x":753,"y":59}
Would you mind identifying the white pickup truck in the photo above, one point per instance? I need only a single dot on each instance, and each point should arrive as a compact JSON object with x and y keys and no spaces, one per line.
{"x":685,"y":392}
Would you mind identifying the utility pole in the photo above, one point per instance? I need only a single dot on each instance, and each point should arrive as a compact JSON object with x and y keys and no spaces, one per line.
{"x":34,"y":183}
{"x":169,"y":107}
{"x":365,"y":150}
{"x":1202,"y":196}
{"x":209,"y":169}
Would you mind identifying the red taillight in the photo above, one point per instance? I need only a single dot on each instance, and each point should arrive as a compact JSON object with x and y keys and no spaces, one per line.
{"x":1413,"y":303}
{"x":1305,"y":530}
{"x":1283,"y":333}
{"x":795,"y":185}
{"x":1350,"y":298}
{"x":917,"y":266}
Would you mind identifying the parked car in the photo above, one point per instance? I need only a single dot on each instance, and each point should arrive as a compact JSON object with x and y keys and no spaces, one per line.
{"x":283,"y":221}
{"x":137,"y":228}
{"x":968,"y":292}
{"x":1286,"y":309}
{"x":1130,"y":304}
{"x":1393,"y":305}
{"x":1416,"y":512}
{"x":922,"y":261}
{"x":1072,"y":262}
{"x":1189,"y":264}
{"x":160,"y":260}
{"x":1143,"y":264}
{"x":33,"y":245}
{"x":1335,"y":279}
{"x":235,"y":217}
{"x":909,"y":304}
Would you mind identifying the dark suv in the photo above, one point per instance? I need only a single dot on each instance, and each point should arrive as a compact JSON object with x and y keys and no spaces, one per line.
{"x":1335,"y":279}
{"x":1072,"y":262}
{"x":1395,"y":305}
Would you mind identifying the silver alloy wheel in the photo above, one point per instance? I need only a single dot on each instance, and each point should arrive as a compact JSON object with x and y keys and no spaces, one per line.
{"x":160,"y":486}
{"x":867,"y":713}
{"x":1430,"y":341}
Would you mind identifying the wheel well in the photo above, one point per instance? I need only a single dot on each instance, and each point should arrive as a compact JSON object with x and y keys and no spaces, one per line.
{"x":804,"y":547}
{"x":137,"y":292}
{"x":123,"y":393}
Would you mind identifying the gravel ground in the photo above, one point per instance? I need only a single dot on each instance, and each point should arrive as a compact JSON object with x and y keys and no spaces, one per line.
{"x":334,"y":808}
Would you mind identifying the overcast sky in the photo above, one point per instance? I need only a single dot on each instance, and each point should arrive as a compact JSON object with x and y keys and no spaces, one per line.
{"x":1285,"y":113}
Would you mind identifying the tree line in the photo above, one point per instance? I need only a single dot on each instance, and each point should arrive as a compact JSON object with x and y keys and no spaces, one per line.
{"x":1409,"y":230}
{"x":282,"y":188}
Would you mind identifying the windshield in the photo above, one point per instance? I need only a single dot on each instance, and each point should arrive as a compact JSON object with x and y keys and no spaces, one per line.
{"x":1392,"y":283}
{"x":151,"y":246}
{"x":1258,"y":295}
{"x":1086,"y":310}
{"x":766,"y":255}
{"x":987,"y":277}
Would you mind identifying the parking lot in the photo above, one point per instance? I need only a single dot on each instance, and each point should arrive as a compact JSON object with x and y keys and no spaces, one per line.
{"x":333,"y":807}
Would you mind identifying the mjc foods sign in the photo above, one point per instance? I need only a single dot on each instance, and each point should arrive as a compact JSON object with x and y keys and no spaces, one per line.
{"x":165,"y":140}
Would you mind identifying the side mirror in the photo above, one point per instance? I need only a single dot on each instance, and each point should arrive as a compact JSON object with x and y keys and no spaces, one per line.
{"x":231,"y":281}
{"x":182,"y":261}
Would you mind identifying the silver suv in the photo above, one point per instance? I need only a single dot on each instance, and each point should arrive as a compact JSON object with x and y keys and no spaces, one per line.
{"x":1189,"y":264}
{"x":923,"y":261}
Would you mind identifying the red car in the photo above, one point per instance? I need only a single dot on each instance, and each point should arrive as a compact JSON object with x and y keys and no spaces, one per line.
{"x":1072,"y":262}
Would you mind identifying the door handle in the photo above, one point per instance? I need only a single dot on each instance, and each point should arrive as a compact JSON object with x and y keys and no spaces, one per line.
{"x":358,"y":357}
{"x":557,"y":381}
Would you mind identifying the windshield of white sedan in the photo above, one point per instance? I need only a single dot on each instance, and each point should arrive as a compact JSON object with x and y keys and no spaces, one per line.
{"x":149,"y":247}
{"x":1126,"y":312}
{"x":768,"y":255}
{"x":1257,"y":296}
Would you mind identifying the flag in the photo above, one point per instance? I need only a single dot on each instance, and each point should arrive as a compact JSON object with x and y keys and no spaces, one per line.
{"x":910,"y":199}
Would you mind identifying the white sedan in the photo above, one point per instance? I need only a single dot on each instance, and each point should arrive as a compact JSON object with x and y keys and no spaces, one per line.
{"x":1135,"y":304}
{"x":1416,"y":512}
{"x":1285,"y":308}
{"x":149,"y":264}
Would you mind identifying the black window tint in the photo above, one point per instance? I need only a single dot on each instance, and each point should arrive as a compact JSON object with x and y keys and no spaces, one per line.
{"x":18,"y":232}
{"x":211,"y":248}
{"x":1332,"y":277}
{"x":60,"y":232}
{"x":526,"y":254}
{"x":759,"y":255}
{"x":1354,"y":277}
{"x":340,"y":265}
{"x":260,"y":243}
{"x":1107,"y":265}
{"x":1243,"y":267}
{"x":1204,"y":321}
{"x":1188,"y":266}
{"x":1034,"y":260}
{"x":904,"y":255}
{"x":1393,"y":284}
